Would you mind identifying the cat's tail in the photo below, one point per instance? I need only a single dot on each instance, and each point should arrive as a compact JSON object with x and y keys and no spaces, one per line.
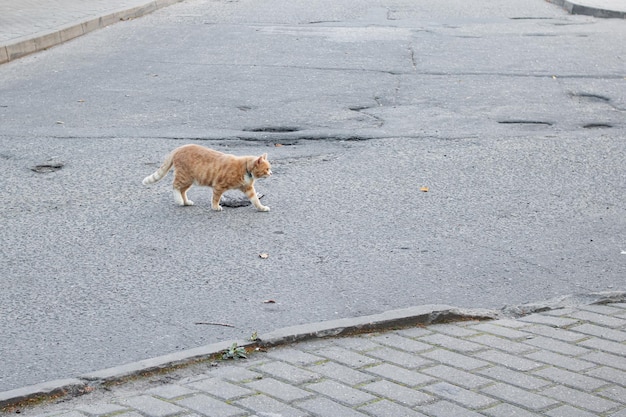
{"x":161,"y":172}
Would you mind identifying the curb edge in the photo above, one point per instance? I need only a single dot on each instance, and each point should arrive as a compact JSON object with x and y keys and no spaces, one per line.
{"x":407,"y":317}
{"x":41,"y":41}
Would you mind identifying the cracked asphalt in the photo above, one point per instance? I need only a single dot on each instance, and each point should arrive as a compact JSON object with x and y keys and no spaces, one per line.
{"x":511,"y":114}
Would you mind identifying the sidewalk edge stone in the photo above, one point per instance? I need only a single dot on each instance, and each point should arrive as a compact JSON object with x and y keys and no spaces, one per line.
{"x":420,"y":315}
{"x":43,"y":391}
{"x":412,"y":316}
{"x":573,"y":7}
{"x":29,"y":44}
{"x":571,"y":300}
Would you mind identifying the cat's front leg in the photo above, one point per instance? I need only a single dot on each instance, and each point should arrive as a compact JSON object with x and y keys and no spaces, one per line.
{"x":215,"y":202}
{"x":254,"y":199}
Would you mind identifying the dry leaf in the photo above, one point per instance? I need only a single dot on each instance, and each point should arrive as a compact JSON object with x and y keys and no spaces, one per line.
{"x":264,"y":255}
{"x":269,"y":302}
{"x":278,"y":145}
{"x":424,"y":189}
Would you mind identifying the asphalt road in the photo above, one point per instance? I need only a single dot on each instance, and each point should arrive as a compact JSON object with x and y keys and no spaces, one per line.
{"x":512,"y":114}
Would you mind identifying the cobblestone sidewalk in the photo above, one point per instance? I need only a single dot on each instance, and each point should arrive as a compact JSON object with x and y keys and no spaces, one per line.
{"x":564,"y":362}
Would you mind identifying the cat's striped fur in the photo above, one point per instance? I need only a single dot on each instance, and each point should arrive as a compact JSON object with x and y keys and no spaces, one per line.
{"x":195,"y":164}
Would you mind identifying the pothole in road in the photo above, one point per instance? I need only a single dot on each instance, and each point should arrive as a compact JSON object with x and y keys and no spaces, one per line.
{"x":591,"y":97}
{"x":597,"y":126}
{"x":47,"y":168}
{"x":272,"y":129}
{"x":525,"y":122}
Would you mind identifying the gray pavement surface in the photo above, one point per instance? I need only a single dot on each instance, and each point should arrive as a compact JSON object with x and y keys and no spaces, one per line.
{"x":463,"y":147}
{"x":28,"y":26}
{"x":569,"y":359}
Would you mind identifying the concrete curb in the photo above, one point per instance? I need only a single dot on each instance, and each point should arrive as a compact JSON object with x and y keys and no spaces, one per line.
{"x":412,"y":316}
{"x":588,"y":10}
{"x":44,"y":40}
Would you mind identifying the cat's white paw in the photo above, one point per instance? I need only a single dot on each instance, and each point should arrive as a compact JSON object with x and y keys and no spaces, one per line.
{"x":264,"y":208}
{"x":188,"y":203}
{"x":218,"y":208}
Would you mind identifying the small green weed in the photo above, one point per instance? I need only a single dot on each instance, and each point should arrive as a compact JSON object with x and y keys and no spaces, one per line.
{"x":235,"y":352}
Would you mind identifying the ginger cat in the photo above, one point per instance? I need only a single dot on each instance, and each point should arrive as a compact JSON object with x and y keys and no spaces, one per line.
{"x":204,"y":166}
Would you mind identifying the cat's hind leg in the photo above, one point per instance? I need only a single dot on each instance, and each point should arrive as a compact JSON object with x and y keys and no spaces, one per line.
{"x":180,"y":192}
{"x":181,"y":198}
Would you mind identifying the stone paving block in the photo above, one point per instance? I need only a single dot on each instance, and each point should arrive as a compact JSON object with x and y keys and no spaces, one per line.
{"x":293,"y":356}
{"x":499,"y":330}
{"x":514,"y":324}
{"x":446,"y":409}
{"x":233,"y":373}
{"x":555,"y":333}
{"x":399,"y":357}
{"x":399,"y":342}
{"x":100,"y":409}
{"x":562,"y":361}
{"x":571,"y":379}
{"x":580,"y":399}
{"x":75,"y":413}
{"x":401,"y":375}
{"x":548,"y":320}
{"x":519,"y":379}
{"x":357,"y":344}
{"x":518,"y":396}
{"x":134,"y":414}
{"x":151,"y":406}
{"x":386,"y":408}
{"x":508,"y":410}
{"x":209,"y":406}
{"x":454,"y":359}
{"x":601,"y":331}
{"x":415,"y":332}
{"x":556,"y":346}
{"x":452,"y":329}
{"x":341,"y":373}
{"x":456,"y":376}
{"x":600,"y":319}
{"x":500,"y":343}
{"x":282,"y":370}
{"x":452,"y":343}
{"x":346,"y":357}
{"x":614,"y":393}
{"x":459,"y":395}
{"x":620,"y":413}
{"x":278,"y":389}
{"x":510,"y":361}
{"x":324,"y":407}
{"x":559,"y":312}
{"x":220,"y":388}
{"x":612,"y":375}
{"x":342,"y":393}
{"x":263,"y":405}
{"x":602,"y":308}
{"x":398,"y":393}
{"x":569,"y":411}
{"x":605,"y":345}
{"x":170,"y":391}
{"x":604,"y":358}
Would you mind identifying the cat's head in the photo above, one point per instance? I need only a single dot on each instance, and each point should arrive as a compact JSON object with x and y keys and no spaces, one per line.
{"x":261,"y":167}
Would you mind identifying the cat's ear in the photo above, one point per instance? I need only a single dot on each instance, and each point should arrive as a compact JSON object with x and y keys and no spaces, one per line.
{"x":261,"y":158}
